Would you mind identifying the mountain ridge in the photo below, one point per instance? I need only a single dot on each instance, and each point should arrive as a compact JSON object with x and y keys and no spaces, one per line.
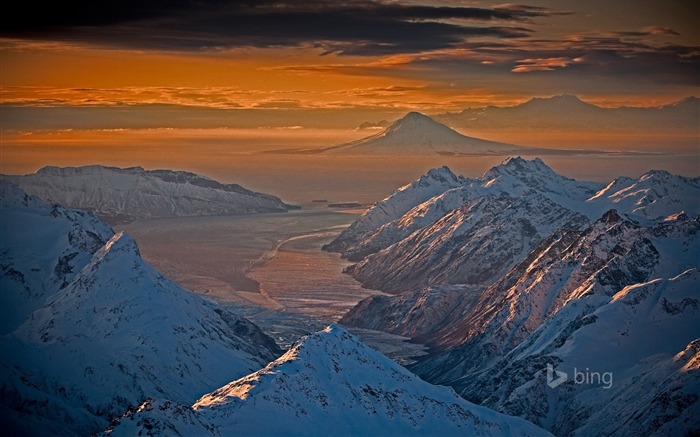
{"x":99,"y":328}
{"x":328,"y":381}
{"x":127,"y":194}
{"x":570,"y":299}
{"x":570,"y":112}
{"x":455,"y":237}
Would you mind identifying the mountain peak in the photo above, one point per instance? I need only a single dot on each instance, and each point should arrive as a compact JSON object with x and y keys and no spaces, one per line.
{"x":657,"y":194}
{"x":691,"y":102}
{"x":332,"y":338}
{"x":329,"y":380}
{"x":414,"y":121}
{"x":571,"y":98}
{"x":610,"y":217}
{"x":558,"y":103}
{"x":517,"y":175}
{"x":415,"y":115}
{"x":520,"y":161}
{"x":656,"y":175}
{"x":518,"y":164}
{"x":442,"y":174}
{"x":331,"y":334}
{"x":418,"y":134}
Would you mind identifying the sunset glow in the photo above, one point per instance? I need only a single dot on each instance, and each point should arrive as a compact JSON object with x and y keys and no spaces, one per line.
{"x":442,"y":210}
{"x":328,"y":66}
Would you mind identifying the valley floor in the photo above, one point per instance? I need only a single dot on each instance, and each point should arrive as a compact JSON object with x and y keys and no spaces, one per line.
{"x":268,"y":267}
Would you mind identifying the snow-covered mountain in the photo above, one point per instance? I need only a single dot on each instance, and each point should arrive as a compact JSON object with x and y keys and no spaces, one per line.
{"x":328,"y":383}
{"x":656,"y":194}
{"x":516,"y":176}
{"x":558,"y":105}
{"x":447,"y":315}
{"x":418,"y":134}
{"x":570,"y":112}
{"x":101,"y":329}
{"x":473,"y":244}
{"x":474,"y":232}
{"x":582,"y":287}
{"x":42,"y":249}
{"x":614,"y":252}
{"x":117,"y":194}
{"x":431,"y":197}
{"x":635,"y":353}
{"x":432,"y":184}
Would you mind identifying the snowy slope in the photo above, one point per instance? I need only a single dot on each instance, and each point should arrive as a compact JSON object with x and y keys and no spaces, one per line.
{"x":419,"y":217}
{"x":474,"y":244}
{"x":42,"y":248}
{"x":415,"y":314}
{"x":114,"y":334}
{"x":612,"y":253}
{"x":132,"y":193}
{"x":510,"y":209}
{"x":411,"y":209}
{"x":644,"y":344}
{"x":329,"y":383}
{"x":604,"y":279}
{"x":516,"y":176}
{"x":617,"y":295}
{"x":432,"y":184}
{"x":418,"y":134}
{"x":656,"y":194}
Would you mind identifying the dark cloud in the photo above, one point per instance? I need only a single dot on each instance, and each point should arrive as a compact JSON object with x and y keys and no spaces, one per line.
{"x":648,"y":31}
{"x":588,"y":60}
{"x":361,"y":27}
{"x":39,"y":17}
{"x":574,"y":62}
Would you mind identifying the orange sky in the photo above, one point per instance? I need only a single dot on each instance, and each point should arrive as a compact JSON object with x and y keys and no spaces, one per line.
{"x":433,"y":56}
{"x":67,"y":74}
{"x":63,"y":74}
{"x":319,"y":64}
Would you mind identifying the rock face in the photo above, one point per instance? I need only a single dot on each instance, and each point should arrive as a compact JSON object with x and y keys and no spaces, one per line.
{"x":127,"y":194}
{"x":329,"y":382}
{"x":417,"y":314}
{"x":94,"y":329}
{"x":572,"y":266}
{"x":523,"y":272}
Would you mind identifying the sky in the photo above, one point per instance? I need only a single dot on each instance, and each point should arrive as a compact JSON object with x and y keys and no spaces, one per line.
{"x":348,"y":55}
{"x":308,"y":66}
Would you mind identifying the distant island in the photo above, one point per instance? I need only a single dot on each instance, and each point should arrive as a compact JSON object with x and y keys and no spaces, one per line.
{"x":348,"y":205}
